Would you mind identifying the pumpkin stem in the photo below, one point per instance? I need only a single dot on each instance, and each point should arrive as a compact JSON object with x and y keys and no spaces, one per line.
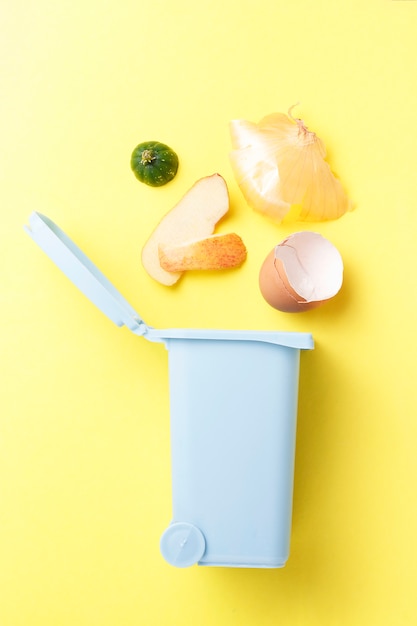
{"x":147,"y":157}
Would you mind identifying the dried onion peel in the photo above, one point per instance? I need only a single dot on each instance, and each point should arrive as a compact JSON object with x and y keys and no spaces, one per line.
{"x":279,"y":163}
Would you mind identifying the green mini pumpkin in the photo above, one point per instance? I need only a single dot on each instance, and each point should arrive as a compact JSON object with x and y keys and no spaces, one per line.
{"x":154,"y":163}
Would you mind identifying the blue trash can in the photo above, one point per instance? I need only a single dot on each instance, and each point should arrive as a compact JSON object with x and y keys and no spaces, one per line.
{"x":233,"y":405}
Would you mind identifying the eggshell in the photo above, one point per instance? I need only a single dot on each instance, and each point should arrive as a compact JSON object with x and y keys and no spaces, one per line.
{"x":301,"y":273}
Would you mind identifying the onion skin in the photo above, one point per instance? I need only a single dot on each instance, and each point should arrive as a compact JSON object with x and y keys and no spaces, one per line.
{"x":279,"y":163}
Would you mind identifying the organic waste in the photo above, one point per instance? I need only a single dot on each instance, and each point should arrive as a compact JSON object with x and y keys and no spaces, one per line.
{"x":301,"y":273}
{"x":183,"y":238}
{"x":215,"y":252}
{"x":154,"y":163}
{"x":279,"y":163}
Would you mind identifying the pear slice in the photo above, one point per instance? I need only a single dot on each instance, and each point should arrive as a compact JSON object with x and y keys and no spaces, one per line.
{"x":194,"y":217}
{"x":216,"y":252}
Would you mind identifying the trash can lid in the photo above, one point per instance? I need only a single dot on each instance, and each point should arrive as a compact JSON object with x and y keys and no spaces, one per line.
{"x":92,"y":283}
{"x":83,"y":273}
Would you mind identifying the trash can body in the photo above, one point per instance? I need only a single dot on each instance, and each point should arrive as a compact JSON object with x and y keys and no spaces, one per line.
{"x":233,"y":405}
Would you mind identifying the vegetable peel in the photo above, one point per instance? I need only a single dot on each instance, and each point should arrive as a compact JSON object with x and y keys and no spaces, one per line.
{"x":279,"y":163}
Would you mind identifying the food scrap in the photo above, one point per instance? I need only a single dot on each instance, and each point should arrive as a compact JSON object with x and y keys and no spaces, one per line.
{"x":301,"y":273}
{"x":215,"y":252}
{"x":154,"y":163}
{"x":278,"y":163}
{"x":182,"y":239}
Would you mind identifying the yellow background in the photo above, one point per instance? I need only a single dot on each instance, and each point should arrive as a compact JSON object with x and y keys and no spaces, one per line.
{"x":84,"y":425}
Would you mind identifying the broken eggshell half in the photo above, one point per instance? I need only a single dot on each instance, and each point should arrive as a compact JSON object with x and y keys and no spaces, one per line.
{"x":301,"y":273}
